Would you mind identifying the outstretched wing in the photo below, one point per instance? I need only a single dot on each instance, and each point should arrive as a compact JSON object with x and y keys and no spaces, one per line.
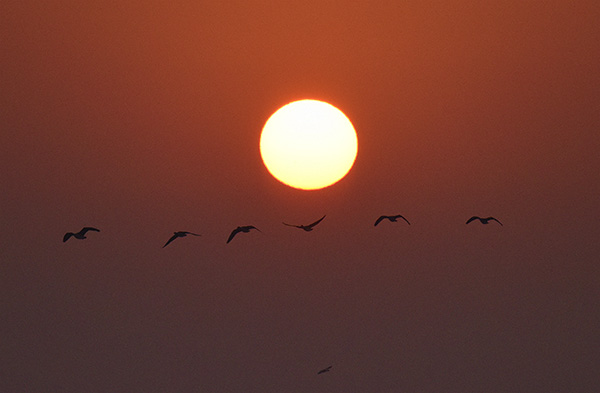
{"x":379,"y":220}
{"x":402,"y":217}
{"x":67,"y":236}
{"x":170,"y":240}
{"x":492,"y":218}
{"x":316,"y":222}
{"x":233,"y":233}
{"x":324,"y":370}
{"x":471,"y":219}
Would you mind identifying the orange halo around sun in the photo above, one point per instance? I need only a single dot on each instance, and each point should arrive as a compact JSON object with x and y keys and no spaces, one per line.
{"x":308,"y":144}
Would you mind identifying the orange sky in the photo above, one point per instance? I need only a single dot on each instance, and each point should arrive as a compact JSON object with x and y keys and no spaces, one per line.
{"x":144,"y":118}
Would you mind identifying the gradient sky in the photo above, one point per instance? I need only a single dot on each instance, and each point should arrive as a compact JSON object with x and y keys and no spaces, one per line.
{"x":143,"y":117}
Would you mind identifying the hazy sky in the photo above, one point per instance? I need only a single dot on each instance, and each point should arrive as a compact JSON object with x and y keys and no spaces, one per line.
{"x":143,"y":117}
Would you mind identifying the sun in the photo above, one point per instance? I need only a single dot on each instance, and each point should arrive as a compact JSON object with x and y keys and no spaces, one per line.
{"x":308,"y":144}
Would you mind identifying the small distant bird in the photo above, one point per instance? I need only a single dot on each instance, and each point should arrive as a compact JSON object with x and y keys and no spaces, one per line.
{"x":483,"y":220}
{"x":179,"y":234}
{"x":391,"y":218}
{"x":245,"y":229}
{"x":80,"y":234}
{"x":307,"y":228}
{"x":324,"y":370}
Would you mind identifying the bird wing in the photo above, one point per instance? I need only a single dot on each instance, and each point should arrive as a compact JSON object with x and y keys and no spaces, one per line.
{"x":233,"y":233}
{"x":402,"y":217}
{"x":379,"y":220}
{"x":492,"y":218}
{"x":316,"y":222}
{"x":471,"y":219}
{"x":170,"y":240}
{"x":324,"y":370}
{"x":85,"y":229}
{"x":67,"y":236}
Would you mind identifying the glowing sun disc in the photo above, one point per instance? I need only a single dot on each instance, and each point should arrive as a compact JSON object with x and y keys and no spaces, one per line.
{"x":308,"y":144}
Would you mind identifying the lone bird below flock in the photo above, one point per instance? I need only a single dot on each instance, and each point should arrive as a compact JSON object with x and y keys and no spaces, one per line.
{"x":307,"y":228}
{"x":326,"y":369}
{"x":391,"y":218}
{"x":79,"y":235}
{"x":244,"y":229}
{"x":179,"y":234}
{"x":483,"y":220}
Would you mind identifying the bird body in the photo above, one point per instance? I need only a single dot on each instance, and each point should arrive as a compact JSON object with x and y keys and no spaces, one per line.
{"x":179,"y":234}
{"x":308,"y":227}
{"x":244,"y":229}
{"x":326,"y":369}
{"x":483,"y":220}
{"x":79,"y":235}
{"x":391,"y":218}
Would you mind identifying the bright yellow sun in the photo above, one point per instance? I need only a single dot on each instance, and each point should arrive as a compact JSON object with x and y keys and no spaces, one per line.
{"x":308,"y":144}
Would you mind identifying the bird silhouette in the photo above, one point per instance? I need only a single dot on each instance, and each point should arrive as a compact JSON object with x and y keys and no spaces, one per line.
{"x":80,"y":234}
{"x":237,"y":230}
{"x":483,"y":220}
{"x":308,"y":227}
{"x":391,"y":218}
{"x":179,"y":234}
{"x":326,"y":369}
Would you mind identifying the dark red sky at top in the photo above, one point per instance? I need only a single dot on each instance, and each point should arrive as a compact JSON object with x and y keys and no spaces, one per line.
{"x":144,"y":118}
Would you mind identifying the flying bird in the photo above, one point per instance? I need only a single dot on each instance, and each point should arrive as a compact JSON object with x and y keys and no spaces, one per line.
{"x":391,"y":218}
{"x":483,"y":220}
{"x":179,"y":234}
{"x":307,"y":228}
{"x":80,"y":234}
{"x":324,"y":370}
{"x":245,"y":229}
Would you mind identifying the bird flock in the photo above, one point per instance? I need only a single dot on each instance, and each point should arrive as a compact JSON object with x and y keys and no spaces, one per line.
{"x":247,"y":228}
